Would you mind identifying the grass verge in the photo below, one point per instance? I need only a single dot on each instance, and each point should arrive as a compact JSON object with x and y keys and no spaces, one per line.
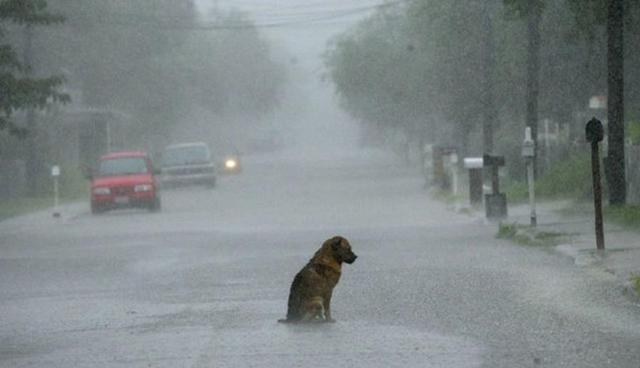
{"x":626,"y":216}
{"x":568,"y":179}
{"x":15,"y":207}
{"x":635,"y":283}
{"x":73,"y":186}
{"x":527,"y":235}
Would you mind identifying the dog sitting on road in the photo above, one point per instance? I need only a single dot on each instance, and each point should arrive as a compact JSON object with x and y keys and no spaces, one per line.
{"x":311,"y":290}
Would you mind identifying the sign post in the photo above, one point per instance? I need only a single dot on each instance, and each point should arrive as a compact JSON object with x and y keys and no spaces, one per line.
{"x":595,"y":134}
{"x":528,"y":152}
{"x":55,"y":173}
{"x":453,"y":159}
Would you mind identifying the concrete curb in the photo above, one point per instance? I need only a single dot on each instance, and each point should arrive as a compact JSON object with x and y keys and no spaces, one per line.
{"x":621,"y":258}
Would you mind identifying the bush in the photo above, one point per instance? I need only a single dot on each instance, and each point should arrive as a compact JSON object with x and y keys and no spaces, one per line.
{"x":570,"y":178}
{"x":628,"y":216}
{"x":73,"y":184}
{"x":634,"y":132}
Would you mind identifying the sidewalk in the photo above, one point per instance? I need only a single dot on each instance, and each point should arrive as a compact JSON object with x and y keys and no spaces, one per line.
{"x":621,"y":256}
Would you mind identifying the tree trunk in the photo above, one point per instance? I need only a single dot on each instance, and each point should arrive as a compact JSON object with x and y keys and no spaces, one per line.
{"x":615,"y":115}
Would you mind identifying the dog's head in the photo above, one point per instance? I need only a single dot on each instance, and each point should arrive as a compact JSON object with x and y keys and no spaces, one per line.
{"x":341,"y":250}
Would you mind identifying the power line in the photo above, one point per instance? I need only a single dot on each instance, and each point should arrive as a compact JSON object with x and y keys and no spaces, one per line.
{"x":178,"y":22}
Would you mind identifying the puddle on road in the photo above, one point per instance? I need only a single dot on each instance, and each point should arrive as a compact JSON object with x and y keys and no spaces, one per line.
{"x":342,"y":344}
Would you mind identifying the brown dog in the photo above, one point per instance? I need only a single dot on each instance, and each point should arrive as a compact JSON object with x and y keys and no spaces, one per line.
{"x":310,"y":294}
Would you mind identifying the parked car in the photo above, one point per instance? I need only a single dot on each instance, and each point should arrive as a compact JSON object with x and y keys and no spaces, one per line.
{"x":188,"y":164}
{"x":123,"y":180}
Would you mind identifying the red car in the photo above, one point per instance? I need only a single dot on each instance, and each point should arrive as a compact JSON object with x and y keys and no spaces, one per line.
{"x":123,"y":180}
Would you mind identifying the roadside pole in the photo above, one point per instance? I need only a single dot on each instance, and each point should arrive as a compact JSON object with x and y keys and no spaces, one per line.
{"x":453,"y":159}
{"x":528,"y":151}
{"x":595,"y":134}
{"x":55,"y":173}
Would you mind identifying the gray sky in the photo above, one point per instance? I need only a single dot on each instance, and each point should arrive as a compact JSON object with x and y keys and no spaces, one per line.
{"x":310,"y":111}
{"x":305,"y":26}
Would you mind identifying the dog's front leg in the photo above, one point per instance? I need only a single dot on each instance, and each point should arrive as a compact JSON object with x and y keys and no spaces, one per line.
{"x":327,"y":308}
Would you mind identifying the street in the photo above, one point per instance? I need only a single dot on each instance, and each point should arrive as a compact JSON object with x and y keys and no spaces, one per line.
{"x":202,"y":283}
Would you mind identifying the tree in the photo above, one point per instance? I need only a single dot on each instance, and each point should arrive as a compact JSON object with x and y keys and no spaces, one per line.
{"x":615,"y":102}
{"x":591,"y":14}
{"x":18,"y":90}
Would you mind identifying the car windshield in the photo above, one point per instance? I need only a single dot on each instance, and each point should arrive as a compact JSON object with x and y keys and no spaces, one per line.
{"x":123,"y":166}
{"x":185,"y":155}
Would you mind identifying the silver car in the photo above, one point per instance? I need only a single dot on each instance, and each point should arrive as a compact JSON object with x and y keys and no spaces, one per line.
{"x":188,"y":164}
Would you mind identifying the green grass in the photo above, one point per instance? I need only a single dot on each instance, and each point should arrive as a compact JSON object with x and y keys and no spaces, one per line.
{"x":73,"y":186}
{"x":517,"y":192}
{"x":15,"y":207}
{"x":526,"y":235}
{"x":507,"y":230}
{"x":627,"y":216}
{"x":569,"y":179}
{"x":635,"y":283}
{"x":633,"y":131}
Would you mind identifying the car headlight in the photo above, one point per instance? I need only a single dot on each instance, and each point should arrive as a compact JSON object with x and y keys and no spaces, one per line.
{"x":230,"y":163}
{"x":101,"y":191}
{"x":143,"y":188}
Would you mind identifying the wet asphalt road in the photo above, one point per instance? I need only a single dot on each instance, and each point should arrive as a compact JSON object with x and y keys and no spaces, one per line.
{"x":202,"y":283}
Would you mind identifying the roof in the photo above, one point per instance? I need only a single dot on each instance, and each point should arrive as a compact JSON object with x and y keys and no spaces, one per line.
{"x":120,"y":154}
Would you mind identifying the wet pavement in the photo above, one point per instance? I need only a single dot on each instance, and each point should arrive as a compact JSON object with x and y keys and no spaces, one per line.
{"x":202,"y":283}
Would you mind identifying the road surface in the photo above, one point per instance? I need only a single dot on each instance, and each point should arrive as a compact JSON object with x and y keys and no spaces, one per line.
{"x":202,"y":283}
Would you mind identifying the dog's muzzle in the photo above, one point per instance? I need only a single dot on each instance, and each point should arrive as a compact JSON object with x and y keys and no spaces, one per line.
{"x":352,"y":259}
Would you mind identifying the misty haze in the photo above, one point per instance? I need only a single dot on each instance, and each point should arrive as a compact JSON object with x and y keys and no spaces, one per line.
{"x":179,"y":176}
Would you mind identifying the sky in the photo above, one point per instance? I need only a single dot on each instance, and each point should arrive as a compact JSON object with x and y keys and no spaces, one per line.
{"x":301,"y":29}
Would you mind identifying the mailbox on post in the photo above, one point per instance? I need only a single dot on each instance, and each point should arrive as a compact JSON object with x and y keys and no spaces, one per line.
{"x":474,"y":165}
{"x":496,"y":202}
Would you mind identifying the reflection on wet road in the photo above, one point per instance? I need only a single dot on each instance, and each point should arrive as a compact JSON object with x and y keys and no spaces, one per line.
{"x":202,"y":283}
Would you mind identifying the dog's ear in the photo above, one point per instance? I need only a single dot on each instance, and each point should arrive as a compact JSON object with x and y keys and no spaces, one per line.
{"x":335,"y":244}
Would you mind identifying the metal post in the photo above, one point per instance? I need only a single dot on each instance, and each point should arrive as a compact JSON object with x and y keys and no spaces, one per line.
{"x":454,"y":172}
{"x":595,"y":135}
{"x":532,"y":192}
{"x":597,"y":194}
{"x":547,"y":146}
{"x":528,"y":152}
{"x":56,"y":213}
{"x":55,"y":173}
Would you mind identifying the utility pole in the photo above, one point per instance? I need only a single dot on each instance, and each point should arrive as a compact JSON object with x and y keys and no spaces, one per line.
{"x":31,"y":154}
{"x":533,"y":69}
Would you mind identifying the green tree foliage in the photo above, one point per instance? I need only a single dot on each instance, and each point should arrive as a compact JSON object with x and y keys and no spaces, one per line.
{"x":155,"y":59}
{"x":19,"y":91}
{"x":421,"y":64}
